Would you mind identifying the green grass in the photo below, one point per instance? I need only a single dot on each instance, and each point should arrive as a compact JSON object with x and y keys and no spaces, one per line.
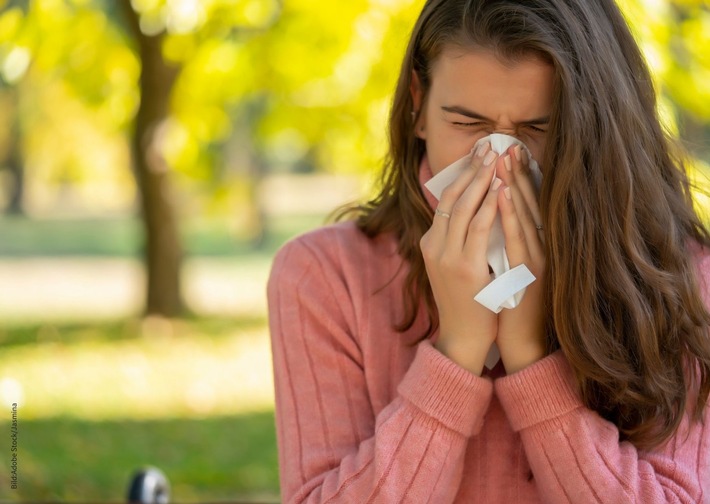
{"x":22,"y":333}
{"x":209,"y":459}
{"x":169,"y":369}
{"x":101,"y":399}
{"x":122,"y":237}
{"x":98,"y":401}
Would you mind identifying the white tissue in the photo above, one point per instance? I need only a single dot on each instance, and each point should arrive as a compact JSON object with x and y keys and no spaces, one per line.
{"x":507,"y":287}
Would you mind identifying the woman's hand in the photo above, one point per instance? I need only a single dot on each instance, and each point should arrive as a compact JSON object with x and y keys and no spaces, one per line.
{"x":521,"y":330}
{"x":454,"y":251}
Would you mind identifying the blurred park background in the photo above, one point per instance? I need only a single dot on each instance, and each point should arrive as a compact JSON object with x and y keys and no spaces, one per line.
{"x":154,"y":154}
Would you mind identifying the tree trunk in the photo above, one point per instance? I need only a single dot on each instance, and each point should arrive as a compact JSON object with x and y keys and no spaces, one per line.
{"x":13,"y":159}
{"x":17,"y":188}
{"x":163,"y":251}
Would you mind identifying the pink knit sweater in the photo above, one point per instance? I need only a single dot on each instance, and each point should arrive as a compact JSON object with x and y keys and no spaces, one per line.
{"x":365,"y":414}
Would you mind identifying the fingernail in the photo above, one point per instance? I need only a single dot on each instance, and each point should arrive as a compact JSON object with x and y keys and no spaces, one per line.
{"x":496,"y":184}
{"x":506,"y":191}
{"x":489,"y":158}
{"x":508,"y":164}
{"x":482,"y":149}
{"x":516,"y":151}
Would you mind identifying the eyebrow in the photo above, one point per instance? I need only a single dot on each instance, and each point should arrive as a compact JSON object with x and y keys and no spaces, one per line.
{"x":456,"y":109}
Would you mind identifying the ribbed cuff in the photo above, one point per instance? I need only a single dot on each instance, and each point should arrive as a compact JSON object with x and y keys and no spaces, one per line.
{"x":540,"y":392}
{"x":445,"y":391}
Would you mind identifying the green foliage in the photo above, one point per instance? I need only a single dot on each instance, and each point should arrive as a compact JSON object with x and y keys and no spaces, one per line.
{"x":298,"y":84}
{"x":76,"y":96}
{"x":688,"y":75}
{"x":302,"y":82}
{"x":675,"y":35}
{"x":316,"y":79}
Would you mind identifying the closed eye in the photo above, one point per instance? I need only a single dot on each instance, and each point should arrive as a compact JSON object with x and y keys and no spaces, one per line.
{"x":535,"y":128}
{"x":467,"y":124}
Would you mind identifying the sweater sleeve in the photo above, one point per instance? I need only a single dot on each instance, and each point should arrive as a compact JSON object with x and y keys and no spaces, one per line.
{"x":576,"y":455}
{"x":332,"y":447}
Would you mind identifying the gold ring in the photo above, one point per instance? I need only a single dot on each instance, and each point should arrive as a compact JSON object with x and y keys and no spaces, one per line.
{"x":442,"y":213}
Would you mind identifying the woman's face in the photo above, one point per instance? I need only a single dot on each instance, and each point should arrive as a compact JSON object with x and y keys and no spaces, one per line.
{"x":474,"y":94}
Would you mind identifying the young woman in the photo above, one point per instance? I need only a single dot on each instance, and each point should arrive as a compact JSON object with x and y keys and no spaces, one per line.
{"x":602,"y":387}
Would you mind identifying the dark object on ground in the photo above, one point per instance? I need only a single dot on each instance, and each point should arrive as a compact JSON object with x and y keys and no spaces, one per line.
{"x":149,"y":486}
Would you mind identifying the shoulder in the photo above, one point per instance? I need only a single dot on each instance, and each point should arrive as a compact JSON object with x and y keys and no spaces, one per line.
{"x":336,"y":249}
{"x":330,"y":239}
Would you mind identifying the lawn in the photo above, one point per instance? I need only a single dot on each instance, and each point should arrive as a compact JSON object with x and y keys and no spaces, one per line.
{"x":217,"y":458}
{"x":122,"y":237}
{"x":98,"y":401}
{"x":100,"y":398}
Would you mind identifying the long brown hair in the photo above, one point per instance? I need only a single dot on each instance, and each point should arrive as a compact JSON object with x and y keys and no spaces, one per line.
{"x":623,"y":299}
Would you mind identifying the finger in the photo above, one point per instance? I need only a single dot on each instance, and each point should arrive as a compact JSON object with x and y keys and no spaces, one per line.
{"x":527,"y":221}
{"x":517,"y":172}
{"x":523,"y":175}
{"x":524,"y":198}
{"x":479,"y":230}
{"x":453,"y":191}
{"x":470,"y":200}
{"x":516,"y":245}
{"x":440,"y":224}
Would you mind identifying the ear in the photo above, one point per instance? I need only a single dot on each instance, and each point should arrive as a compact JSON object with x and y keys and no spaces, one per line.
{"x":418,"y":103}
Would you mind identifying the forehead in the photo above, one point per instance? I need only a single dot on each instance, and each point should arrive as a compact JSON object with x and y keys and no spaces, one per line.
{"x":478,"y":78}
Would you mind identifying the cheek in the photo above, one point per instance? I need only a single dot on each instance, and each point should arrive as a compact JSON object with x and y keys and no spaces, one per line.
{"x":537,"y":149}
{"x":537,"y":152}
